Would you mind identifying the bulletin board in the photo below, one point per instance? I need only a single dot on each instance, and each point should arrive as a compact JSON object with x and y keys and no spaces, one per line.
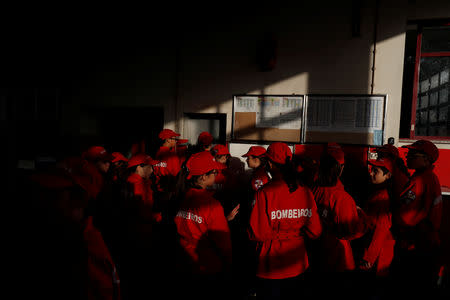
{"x":268,"y":118}
{"x":346,"y":119}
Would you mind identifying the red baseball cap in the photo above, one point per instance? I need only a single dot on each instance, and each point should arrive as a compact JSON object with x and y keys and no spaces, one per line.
{"x":278,"y":152}
{"x":141,"y":158}
{"x":201,"y":163}
{"x":167,"y":134}
{"x":220,"y":150}
{"x":205,"y":138}
{"x":389,"y":149}
{"x":426,"y":147}
{"x":255,"y":151}
{"x":335,"y":150}
{"x":383,"y":162}
{"x":97,"y":153}
{"x":118,"y":157}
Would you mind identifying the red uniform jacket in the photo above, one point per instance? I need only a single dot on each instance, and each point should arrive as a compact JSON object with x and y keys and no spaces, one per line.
{"x":400,"y":182}
{"x":380,"y":249}
{"x":142,"y":189}
{"x":259,"y":179}
{"x":170,"y":163}
{"x":203,"y":233}
{"x":342,"y":222}
{"x":279,"y":222}
{"x":143,"y":193}
{"x":103,"y":280}
{"x":420,"y":213}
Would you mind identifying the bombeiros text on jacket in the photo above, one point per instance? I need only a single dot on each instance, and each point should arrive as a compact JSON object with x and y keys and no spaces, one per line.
{"x":291,"y":213}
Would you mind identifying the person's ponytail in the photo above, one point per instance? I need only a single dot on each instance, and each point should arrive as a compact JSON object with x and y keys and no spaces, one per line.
{"x":289,"y":174}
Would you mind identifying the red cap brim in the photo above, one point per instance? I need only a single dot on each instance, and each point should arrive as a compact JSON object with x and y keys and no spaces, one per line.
{"x":182,"y":141}
{"x":377,"y":163}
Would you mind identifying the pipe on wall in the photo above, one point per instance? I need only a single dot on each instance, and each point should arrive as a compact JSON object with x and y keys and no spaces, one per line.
{"x":375,"y":32}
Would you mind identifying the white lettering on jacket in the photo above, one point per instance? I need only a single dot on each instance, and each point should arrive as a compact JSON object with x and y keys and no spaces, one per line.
{"x":189,"y":216}
{"x":291,"y":213}
{"x":162,"y":164}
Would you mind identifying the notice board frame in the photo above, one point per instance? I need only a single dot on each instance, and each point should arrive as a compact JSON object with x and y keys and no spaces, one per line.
{"x":355,"y":138}
{"x":297,"y":132}
{"x":303,"y":131}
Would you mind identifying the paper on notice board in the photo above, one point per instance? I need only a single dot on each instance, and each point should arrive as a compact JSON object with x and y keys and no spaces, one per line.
{"x":280,"y":112}
{"x":343,"y":114}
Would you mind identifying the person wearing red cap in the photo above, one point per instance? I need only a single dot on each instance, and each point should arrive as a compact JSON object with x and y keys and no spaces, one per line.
{"x":202,"y":229}
{"x":77,"y":253}
{"x":138,"y":247}
{"x":226,"y":182}
{"x":204,"y":141}
{"x":379,"y":243}
{"x":99,"y":162}
{"x":257,"y":162}
{"x":400,"y":174}
{"x":221,"y":155}
{"x":343,"y":221}
{"x":283,"y":217}
{"x":119,"y":165}
{"x":140,"y":167}
{"x":418,"y":219}
{"x":170,"y":164}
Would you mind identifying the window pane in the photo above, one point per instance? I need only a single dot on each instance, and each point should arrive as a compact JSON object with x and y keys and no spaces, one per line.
{"x":443,"y":95}
{"x":424,"y":85}
{"x":433,"y":131}
{"x":434,"y":98}
{"x":434,"y":81}
{"x":433,"y":115}
{"x":424,"y":101}
{"x":443,"y":112}
{"x":422,"y":118}
{"x":436,"y":39}
{"x":444,"y":76}
{"x":442,"y":131}
{"x":434,"y":91}
{"x":421,"y":131}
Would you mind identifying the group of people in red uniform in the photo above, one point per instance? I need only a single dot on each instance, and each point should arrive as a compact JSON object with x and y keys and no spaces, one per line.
{"x":189,"y":224}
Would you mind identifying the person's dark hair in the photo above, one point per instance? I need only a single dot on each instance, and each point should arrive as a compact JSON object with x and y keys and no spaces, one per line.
{"x":264,"y":163}
{"x":329,"y":171}
{"x":384,"y":170}
{"x":308,"y":175}
{"x":288,"y":174}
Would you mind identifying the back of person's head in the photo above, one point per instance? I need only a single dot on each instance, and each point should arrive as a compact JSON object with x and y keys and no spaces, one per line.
{"x":280,"y":155}
{"x":220,"y":150}
{"x":205,"y":139}
{"x":329,"y":170}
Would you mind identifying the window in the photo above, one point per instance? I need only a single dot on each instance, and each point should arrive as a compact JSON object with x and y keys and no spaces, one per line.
{"x":214,"y":123}
{"x":426,"y":82}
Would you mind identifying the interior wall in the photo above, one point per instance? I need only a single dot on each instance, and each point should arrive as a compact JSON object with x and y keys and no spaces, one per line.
{"x":200,"y":66}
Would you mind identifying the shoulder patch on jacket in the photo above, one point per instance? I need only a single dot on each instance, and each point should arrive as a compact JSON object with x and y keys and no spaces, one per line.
{"x":408,"y":197}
